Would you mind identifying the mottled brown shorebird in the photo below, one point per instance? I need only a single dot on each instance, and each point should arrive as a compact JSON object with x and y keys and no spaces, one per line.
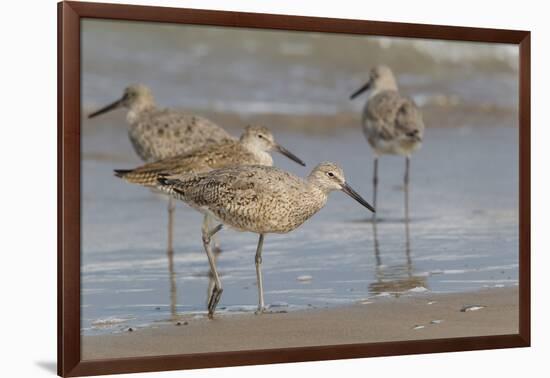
{"x":257,"y":199}
{"x":161,"y":133}
{"x":253,"y":148}
{"x":392,"y":123}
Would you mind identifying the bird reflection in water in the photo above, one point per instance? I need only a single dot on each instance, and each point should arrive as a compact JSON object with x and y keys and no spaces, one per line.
{"x":399,"y":278}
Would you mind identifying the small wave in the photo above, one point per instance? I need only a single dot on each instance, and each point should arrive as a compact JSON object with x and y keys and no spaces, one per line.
{"x":457,"y":52}
{"x":272,"y":107}
{"x":110,"y":321}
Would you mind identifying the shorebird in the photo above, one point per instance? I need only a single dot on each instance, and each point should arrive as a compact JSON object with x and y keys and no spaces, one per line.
{"x":161,"y":133}
{"x":392,"y":123}
{"x":257,"y":199}
{"x":253,"y":148}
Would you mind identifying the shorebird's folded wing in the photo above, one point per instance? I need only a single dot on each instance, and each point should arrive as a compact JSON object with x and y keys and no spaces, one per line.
{"x":200,"y":160}
{"x":408,"y":119}
{"x":389,"y":114}
{"x":159,"y":134}
{"x":380,"y":112}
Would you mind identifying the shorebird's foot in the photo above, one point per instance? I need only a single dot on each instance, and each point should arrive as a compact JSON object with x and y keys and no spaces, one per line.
{"x":259,"y":311}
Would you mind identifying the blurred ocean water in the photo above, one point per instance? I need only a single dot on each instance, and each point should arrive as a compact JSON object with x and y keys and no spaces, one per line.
{"x":262,"y":71}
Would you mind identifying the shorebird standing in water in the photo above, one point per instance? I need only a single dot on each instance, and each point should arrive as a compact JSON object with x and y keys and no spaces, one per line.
{"x":162,"y":133}
{"x":253,"y":148}
{"x":392,"y":123}
{"x":257,"y":199}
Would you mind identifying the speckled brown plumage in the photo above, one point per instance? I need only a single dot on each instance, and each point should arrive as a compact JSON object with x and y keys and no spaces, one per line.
{"x":392,"y":123}
{"x":256,"y":198}
{"x":161,"y":133}
{"x":251,"y":149}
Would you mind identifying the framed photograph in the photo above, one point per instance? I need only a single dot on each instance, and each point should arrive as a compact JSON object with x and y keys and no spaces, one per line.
{"x":239,"y":188}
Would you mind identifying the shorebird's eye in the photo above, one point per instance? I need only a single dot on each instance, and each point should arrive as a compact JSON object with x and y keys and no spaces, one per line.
{"x":260,"y":136}
{"x":330,"y":174}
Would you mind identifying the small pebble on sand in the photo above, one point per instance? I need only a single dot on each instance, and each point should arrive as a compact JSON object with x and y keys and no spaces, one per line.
{"x":419,"y":327}
{"x":471,"y":308}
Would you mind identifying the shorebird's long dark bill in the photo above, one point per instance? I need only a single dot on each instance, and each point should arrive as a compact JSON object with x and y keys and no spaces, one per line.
{"x":353,"y":194}
{"x":107,"y":108}
{"x":289,"y":155}
{"x":360,"y":90}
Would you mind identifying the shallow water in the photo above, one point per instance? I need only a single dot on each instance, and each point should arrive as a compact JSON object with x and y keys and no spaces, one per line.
{"x":463,"y":231}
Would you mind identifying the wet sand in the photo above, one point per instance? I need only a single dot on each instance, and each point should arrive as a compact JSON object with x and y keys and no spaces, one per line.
{"x":440,"y":115}
{"x":435,"y":115}
{"x":423,"y":316}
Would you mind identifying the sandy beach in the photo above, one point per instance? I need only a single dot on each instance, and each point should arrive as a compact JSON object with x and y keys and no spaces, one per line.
{"x":424,"y":316}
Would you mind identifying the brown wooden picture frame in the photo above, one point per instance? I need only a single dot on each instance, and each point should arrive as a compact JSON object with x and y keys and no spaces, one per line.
{"x":69,"y":90}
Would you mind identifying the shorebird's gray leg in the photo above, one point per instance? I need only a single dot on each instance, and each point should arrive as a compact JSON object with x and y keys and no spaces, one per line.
{"x":173,"y":287}
{"x":376,"y":244}
{"x":406,"y":182}
{"x":205,"y":229}
{"x":258,"y":261}
{"x":408,"y":247}
{"x":170,"y":255}
{"x":211,"y":285}
{"x":217,"y":290}
{"x":407,"y":231}
{"x":377,"y":255}
{"x":171,"y":210}
{"x":206,"y":221}
{"x":217,"y":249}
{"x":374,"y":184}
